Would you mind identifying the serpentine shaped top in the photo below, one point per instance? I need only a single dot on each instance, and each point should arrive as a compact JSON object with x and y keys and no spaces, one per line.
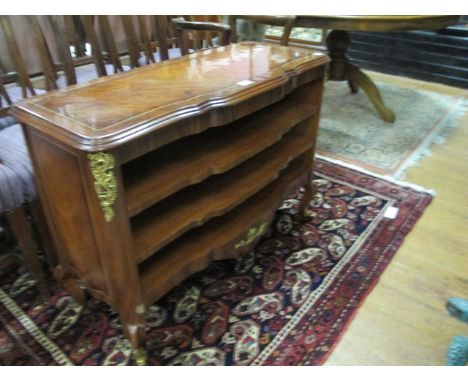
{"x":112,"y":110}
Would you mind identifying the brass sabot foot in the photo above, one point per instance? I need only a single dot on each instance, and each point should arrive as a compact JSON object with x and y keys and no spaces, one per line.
{"x":140,"y":356}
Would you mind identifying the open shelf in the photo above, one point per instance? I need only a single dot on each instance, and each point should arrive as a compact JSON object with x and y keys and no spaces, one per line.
{"x":215,"y":240}
{"x":193,"y":206}
{"x":153,"y":177}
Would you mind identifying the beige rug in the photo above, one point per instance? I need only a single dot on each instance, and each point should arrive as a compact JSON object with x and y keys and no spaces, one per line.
{"x":351,"y":130}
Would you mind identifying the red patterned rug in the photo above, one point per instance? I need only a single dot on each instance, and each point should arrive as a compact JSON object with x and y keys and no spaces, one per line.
{"x":286,"y":303}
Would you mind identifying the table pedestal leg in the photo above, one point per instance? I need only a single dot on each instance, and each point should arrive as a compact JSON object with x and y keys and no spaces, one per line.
{"x":341,"y":70}
{"x":362,"y":80}
{"x":353,"y":87}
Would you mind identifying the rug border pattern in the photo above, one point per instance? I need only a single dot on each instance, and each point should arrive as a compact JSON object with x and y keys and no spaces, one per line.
{"x":329,"y":279}
{"x":331,"y":282}
{"x":57,"y":354}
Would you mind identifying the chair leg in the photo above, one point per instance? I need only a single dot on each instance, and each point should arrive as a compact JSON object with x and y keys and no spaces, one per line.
{"x":7,"y":231}
{"x":6,"y":260}
{"x":22,"y":231}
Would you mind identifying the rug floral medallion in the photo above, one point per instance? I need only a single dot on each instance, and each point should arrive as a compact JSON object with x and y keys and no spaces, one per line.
{"x":285,"y":303}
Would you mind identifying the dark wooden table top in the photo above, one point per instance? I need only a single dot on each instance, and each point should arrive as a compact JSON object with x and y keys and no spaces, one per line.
{"x":376,"y":23}
{"x":114,"y":109}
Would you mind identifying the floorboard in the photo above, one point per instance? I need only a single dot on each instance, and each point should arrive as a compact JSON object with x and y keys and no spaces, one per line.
{"x":404,"y":320}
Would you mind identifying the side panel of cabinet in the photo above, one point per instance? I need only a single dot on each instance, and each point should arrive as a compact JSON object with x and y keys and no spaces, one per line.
{"x":60,"y":186}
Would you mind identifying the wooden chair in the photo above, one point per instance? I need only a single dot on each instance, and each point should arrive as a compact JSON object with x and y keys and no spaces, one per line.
{"x":20,"y":85}
{"x":148,"y":39}
{"x":285,"y":21}
{"x":5,"y":102}
{"x":25,"y":85}
{"x":203,"y":39}
{"x":101,"y":36}
{"x":18,"y":193}
{"x":65,"y":61}
{"x":152,"y":39}
{"x":198,"y":41}
{"x":17,"y":188}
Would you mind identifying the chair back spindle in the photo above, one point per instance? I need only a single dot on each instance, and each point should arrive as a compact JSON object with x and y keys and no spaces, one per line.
{"x":183,"y":26}
{"x":287,"y":22}
{"x":23,"y":77}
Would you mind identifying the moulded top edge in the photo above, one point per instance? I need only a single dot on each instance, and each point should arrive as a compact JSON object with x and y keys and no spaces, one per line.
{"x":116,"y":104}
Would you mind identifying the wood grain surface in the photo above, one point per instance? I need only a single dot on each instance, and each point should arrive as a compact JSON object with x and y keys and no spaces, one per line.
{"x":188,"y":151}
{"x":117,"y":108}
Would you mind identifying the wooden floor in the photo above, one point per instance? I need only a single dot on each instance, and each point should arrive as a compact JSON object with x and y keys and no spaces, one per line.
{"x":404,"y":320}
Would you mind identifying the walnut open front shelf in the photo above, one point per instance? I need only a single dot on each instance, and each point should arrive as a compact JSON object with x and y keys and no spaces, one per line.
{"x":216,"y":240}
{"x":160,"y":173}
{"x":217,"y":195}
{"x":148,"y":176}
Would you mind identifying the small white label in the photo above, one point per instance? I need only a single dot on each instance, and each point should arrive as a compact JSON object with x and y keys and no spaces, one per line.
{"x":245,"y":83}
{"x":391,"y":212}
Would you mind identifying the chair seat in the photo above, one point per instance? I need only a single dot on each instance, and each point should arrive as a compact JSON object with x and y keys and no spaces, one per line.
{"x":7,"y":121}
{"x":15,"y":94}
{"x":87,"y":73}
{"x":173,"y":53}
{"x":16,"y":171}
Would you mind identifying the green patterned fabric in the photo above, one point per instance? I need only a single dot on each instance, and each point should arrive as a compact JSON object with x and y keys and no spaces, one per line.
{"x":351,"y":129}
